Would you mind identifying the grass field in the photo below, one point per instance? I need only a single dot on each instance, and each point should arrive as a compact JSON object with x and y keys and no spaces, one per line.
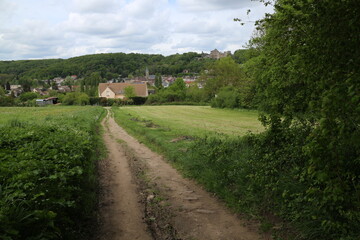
{"x":40,"y":114}
{"x":199,"y":120}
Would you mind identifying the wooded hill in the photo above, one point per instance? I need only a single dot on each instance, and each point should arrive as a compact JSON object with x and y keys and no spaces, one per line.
{"x":108,"y":65}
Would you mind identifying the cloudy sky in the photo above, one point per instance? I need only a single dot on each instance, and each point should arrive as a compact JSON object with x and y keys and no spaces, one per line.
{"x":33,"y":29}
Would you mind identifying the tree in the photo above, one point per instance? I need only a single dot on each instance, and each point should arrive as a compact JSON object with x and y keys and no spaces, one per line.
{"x":158,"y":81}
{"x":7,"y":86}
{"x":28,"y":96}
{"x":178,"y":85}
{"x":308,"y":83}
{"x":227,"y":73}
{"x":129,"y":92}
{"x":2,"y":92}
{"x":195,"y":94}
{"x":68,"y":82}
{"x":76,"y":98}
{"x":54,"y":86}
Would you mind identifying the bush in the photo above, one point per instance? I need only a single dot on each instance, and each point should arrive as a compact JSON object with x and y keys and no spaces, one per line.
{"x":227,"y":97}
{"x":48,"y":183}
{"x":271,"y":174}
{"x":76,"y":98}
{"x":139,"y":100}
{"x":28,"y":96}
{"x":7,"y":101}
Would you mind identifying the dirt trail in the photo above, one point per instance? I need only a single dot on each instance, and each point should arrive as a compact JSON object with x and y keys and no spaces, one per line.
{"x":121,"y":213}
{"x":196,"y":214}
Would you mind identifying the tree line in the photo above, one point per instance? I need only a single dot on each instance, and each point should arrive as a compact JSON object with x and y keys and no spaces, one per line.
{"x":109,"y":65}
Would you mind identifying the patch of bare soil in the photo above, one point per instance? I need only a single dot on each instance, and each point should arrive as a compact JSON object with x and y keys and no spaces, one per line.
{"x":178,"y":205}
{"x":121,"y":213}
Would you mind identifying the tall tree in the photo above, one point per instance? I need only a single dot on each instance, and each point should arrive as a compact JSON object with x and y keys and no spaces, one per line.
{"x":309,"y":77}
{"x":129,"y":92}
{"x":158,"y":81}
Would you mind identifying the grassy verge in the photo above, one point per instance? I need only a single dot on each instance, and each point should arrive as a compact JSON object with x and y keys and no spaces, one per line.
{"x":215,"y":159}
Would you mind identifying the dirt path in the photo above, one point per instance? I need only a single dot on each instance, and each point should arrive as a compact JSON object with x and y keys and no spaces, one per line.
{"x":121,"y":213}
{"x":196,"y":214}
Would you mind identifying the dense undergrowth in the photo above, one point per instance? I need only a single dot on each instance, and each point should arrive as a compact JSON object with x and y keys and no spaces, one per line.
{"x":48,"y":178}
{"x":267,"y":175}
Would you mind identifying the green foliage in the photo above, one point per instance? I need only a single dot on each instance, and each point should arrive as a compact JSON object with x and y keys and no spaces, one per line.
{"x":139,"y":100}
{"x":47,"y":169}
{"x":2,"y":92}
{"x":225,"y":74}
{"x":76,"y":98}
{"x":28,"y":96}
{"x":178,"y":86}
{"x":175,"y":93}
{"x":106,"y":66}
{"x":7,"y":101}
{"x":241,"y":55}
{"x":308,"y":79}
{"x":129,"y":92}
{"x":195,"y":94}
{"x":227,"y":97}
{"x":158,"y":81}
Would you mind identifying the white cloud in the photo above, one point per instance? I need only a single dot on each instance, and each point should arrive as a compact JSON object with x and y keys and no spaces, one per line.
{"x":214,"y":5}
{"x":68,"y":28}
{"x":96,"y":6}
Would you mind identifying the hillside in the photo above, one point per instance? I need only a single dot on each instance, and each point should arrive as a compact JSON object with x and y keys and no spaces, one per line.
{"x":109,"y":65}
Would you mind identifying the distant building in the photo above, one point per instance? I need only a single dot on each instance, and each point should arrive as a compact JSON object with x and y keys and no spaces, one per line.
{"x":13,"y":87}
{"x":216,"y":54}
{"x":117,"y":90}
{"x":47,"y":101}
{"x":64,"y":89}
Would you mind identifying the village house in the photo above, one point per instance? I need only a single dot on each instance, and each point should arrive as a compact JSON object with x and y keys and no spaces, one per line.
{"x":117,"y":90}
{"x":41,"y":91}
{"x":64,"y":89}
{"x":14,"y":87}
{"x":59,"y":80}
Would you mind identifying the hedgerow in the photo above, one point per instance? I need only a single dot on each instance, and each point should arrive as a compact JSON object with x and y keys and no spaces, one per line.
{"x":47,"y":176}
{"x":271,"y":174}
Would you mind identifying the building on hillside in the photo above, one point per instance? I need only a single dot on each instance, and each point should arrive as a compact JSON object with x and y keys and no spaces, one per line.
{"x":216,"y":54}
{"x":14,"y":87}
{"x":41,"y":91}
{"x":117,"y":90}
{"x":64,"y":89}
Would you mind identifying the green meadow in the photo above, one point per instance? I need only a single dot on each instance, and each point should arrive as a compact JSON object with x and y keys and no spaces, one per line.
{"x":44,"y":114}
{"x":198,"y":120}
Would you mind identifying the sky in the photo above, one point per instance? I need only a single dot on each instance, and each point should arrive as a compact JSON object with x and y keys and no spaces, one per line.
{"x":37,"y":29}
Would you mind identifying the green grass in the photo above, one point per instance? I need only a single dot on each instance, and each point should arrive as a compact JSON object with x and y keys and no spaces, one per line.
{"x":216,"y":155}
{"x":42,"y":114}
{"x":199,"y":120}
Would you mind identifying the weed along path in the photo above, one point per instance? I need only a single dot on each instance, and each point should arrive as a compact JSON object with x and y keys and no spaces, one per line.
{"x":121,"y":212}
{"x":185,"y":211}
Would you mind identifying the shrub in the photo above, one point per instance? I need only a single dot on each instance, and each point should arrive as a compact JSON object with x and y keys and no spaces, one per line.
{"x":47,"y":177}
{"x":227,"y":97}
{"x":76,"y":98}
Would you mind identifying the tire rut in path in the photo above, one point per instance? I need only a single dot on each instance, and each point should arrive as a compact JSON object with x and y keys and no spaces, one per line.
{"x":121,"y":213}
{"x":197,"y":215}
